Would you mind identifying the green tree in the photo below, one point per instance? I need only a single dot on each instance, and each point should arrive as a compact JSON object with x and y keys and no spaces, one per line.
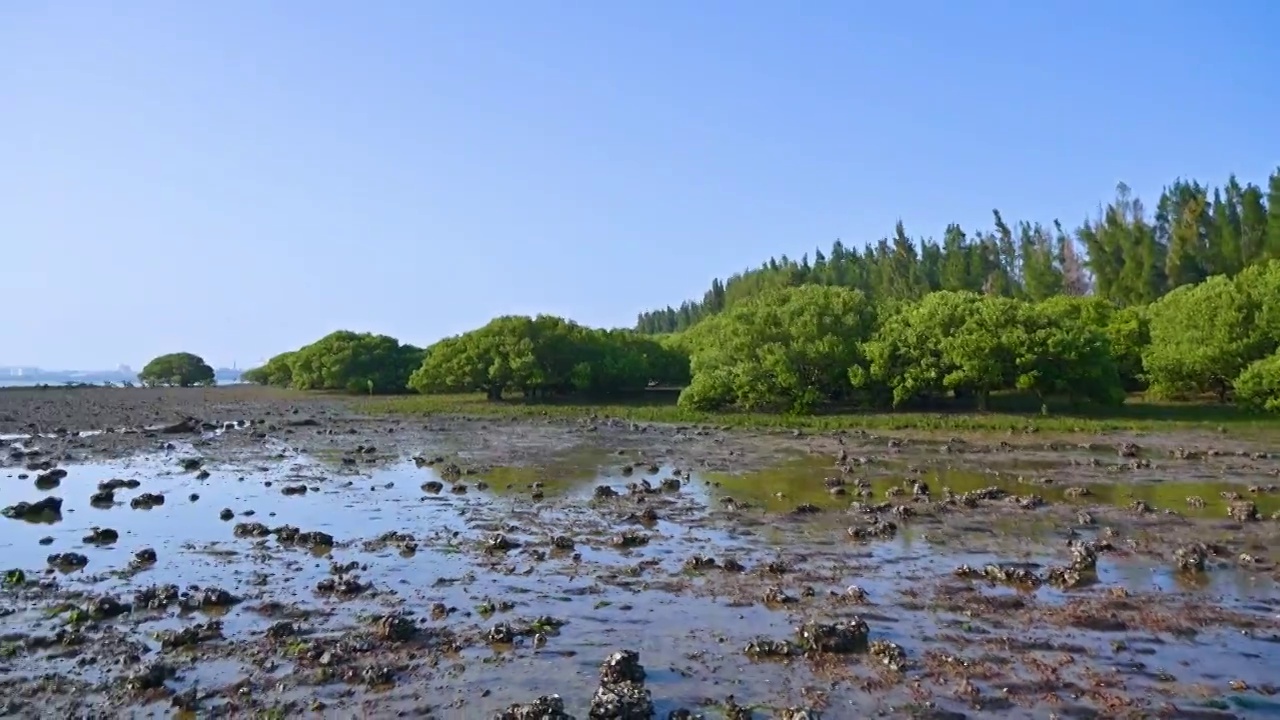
{"x":1260,"y":283}
{"x":906,"y":358}
{"x":609,"y":362}
{"x":1057,"y":354}
{"x":1253,"y":225}
{"x":278,"y":371}
{"x":1273,"y":216}
{"x":181,"y":369}
{"x":488,"y":359}
{"x":1041,"y":262}
{"x":788,"y":349}
{"x":969,"y":346}
{"x":350,"y":361}
{"x":955,"y":272}
{"x":1184,"y":217}
{"x":1202,"y":336}
{"x":548,"y":355}
{"x":1227,"y":256}
{"x":1258,"y":387}
{"x":462,"y":363}
{"x":981,"y":355}
{"x":1121,"y":255}
{"x":1125,"y":329}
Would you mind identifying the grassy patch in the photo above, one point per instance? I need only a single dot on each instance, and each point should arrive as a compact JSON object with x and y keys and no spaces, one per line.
{"x":1008,"y":412}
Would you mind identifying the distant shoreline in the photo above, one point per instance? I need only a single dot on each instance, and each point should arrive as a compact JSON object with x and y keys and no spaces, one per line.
{"x":60,"y":381}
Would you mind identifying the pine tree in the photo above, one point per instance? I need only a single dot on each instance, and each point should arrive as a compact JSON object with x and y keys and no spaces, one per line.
{"x":1041,"y":264}
{"x":1225,"y":239}
{"x":1007,"y":257}
{"x":954,"y":273}
{"x":1119,"y":254}
{"x":1273,"y":215}
{"x":1075,"y":278}
{"x":1253,"y":225}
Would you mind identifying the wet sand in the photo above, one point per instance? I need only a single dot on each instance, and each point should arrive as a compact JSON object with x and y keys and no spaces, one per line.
{"x":307,"y":560}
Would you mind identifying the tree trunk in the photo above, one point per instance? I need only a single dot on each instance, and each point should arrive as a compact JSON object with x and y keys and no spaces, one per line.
{"x":493,"y":393}
{"x":984,"y":398}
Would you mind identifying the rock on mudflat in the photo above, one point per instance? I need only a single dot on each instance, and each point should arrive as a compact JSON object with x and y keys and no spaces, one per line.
{"x":48,"y":507}
{"x":547,"y":707}
{"x":622,"y":694}
{"x":621,"y":701}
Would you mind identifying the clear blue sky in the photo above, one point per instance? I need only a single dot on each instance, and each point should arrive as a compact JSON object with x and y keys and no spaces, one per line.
{"x":238,"y":178}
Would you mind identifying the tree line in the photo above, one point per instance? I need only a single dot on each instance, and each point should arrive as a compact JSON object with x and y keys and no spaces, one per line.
{"x":180,"y":369}
{"x":345,"y":361}
{"x":1185,"y":305}
{"x":533,"y":357}
{"x":1124,"y":254}
{"x":800,"y":348}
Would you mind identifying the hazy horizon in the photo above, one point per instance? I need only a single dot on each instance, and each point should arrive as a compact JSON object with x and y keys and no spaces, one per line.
{"x":238,"y":179}
{"x":115,"y":368}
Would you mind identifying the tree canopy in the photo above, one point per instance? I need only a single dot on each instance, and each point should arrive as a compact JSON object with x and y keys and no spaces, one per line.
{"x":798,"y":348}
{"x":1201,"y":338}
{"x":182,"y":369}
{"x":277,"y":371}
{"x":963,"y":344}
{"x":1181,"y":302}
{"x":1258,"y":387}
{"x":1123,"y":254}
{"x":789,"y":348}
{"x":343,"y":360}
{"x":547,"y":355}
{"x":1204,"y":336}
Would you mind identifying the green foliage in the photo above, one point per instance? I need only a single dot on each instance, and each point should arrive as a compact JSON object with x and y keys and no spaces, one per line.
{"x":547,"y":355}
{"x":1261,"y":285}
{"x":278,"y":371}
{"x":1056,"y":355}
{"x":350,"y":361}
{"x":1184,"y":300}
{"x":343,"y":360}
{"x":1202,"y":337}
{"x":1124,"y":254}
{"x":981,"y":353}
{"x":906,"y":358}
{"x":1126,"y":330}
{"x":1009,"y":413}
{"x":669,"y":364}
{"x":1258,"y":387}
{"x":1129,"y":333}
{"x":1217,"y":336}
{"x":787,"y":349}
{"x":612,"y":361}
{"x":178,"y":370}
{"x":969,"y":345}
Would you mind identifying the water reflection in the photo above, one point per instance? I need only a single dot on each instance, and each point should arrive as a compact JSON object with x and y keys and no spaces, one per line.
{"x":784,"y":487}
{"x":614,"y":597}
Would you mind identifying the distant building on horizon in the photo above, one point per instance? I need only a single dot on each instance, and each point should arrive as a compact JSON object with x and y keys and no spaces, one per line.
{"x":20,"y":371}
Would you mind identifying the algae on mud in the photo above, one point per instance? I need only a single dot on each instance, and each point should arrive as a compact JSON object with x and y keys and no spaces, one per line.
{"x":399,"y":613}
{"x":1191,"y":493}
{"x":1010,"y":414}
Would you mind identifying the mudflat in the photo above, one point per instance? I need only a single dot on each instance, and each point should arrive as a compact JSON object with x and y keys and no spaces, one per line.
{"x":244,"y":552}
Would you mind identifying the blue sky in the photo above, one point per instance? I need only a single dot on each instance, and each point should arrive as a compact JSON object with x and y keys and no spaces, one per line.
{"x":239,"y":178}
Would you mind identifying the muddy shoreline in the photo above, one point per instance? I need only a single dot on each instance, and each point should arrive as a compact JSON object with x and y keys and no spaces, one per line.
{"x":287,"y":556}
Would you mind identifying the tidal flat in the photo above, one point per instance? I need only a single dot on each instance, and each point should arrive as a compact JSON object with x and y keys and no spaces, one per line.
{"x":244,"y":553}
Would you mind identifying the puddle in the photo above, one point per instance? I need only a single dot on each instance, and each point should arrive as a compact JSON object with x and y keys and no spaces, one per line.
{"x":782,"y":488}
{"x":689,"y":626}
{"x":19,"y":440}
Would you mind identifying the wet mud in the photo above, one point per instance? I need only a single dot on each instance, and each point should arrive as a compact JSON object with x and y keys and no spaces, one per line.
{"x":232,"y":554}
